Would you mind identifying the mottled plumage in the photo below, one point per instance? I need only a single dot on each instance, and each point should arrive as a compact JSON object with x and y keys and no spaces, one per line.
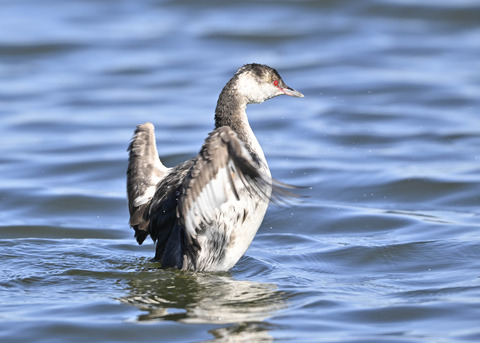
{"x":204,"y":213}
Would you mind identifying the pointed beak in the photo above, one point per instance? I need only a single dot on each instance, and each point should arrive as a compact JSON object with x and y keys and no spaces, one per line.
{"x":292,"y":92}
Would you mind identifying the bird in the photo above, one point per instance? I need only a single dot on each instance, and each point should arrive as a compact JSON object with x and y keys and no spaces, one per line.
{"x":204,"y":213}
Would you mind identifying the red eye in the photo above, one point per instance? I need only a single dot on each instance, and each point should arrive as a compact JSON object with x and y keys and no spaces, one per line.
{"x":275,"y":83}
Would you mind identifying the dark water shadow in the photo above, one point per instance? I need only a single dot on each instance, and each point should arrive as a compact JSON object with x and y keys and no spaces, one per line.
{"x":241,"y":308}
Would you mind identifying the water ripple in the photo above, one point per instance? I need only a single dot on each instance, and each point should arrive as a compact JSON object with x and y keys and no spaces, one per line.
{"x":386,"y":247}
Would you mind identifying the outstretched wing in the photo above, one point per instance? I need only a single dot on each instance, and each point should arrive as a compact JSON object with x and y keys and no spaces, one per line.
{"x":214,"y":179}
{"x":144,"y":172}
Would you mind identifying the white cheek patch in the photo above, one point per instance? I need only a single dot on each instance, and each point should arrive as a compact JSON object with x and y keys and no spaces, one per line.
{"x":255,"y":92}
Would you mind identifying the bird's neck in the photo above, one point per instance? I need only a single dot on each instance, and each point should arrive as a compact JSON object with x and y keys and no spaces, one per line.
{"x":230,"y":111}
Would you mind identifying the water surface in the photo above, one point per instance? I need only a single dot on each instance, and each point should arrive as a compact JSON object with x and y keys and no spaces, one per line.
{"x":386,"y":249}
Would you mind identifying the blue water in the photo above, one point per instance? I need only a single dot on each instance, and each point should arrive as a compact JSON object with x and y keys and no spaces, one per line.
{"x":387,"y":247}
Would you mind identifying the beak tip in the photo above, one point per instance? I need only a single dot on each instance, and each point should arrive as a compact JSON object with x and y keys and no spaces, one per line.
{"x":295,"y":93}
{"x":292,"y":92}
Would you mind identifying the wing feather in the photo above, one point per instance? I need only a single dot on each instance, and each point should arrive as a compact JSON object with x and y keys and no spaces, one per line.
{"x":144,"y":172}
{"x":211,"y":181}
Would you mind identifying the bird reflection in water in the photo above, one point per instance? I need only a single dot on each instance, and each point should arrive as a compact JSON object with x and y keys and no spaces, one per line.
{"x":194,"y":298}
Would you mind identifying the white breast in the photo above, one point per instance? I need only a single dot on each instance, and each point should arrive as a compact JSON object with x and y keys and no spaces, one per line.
{"x":235,"y":223}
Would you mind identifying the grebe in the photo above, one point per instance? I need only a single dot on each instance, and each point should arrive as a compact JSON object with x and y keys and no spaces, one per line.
{"x":204,"y":213}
